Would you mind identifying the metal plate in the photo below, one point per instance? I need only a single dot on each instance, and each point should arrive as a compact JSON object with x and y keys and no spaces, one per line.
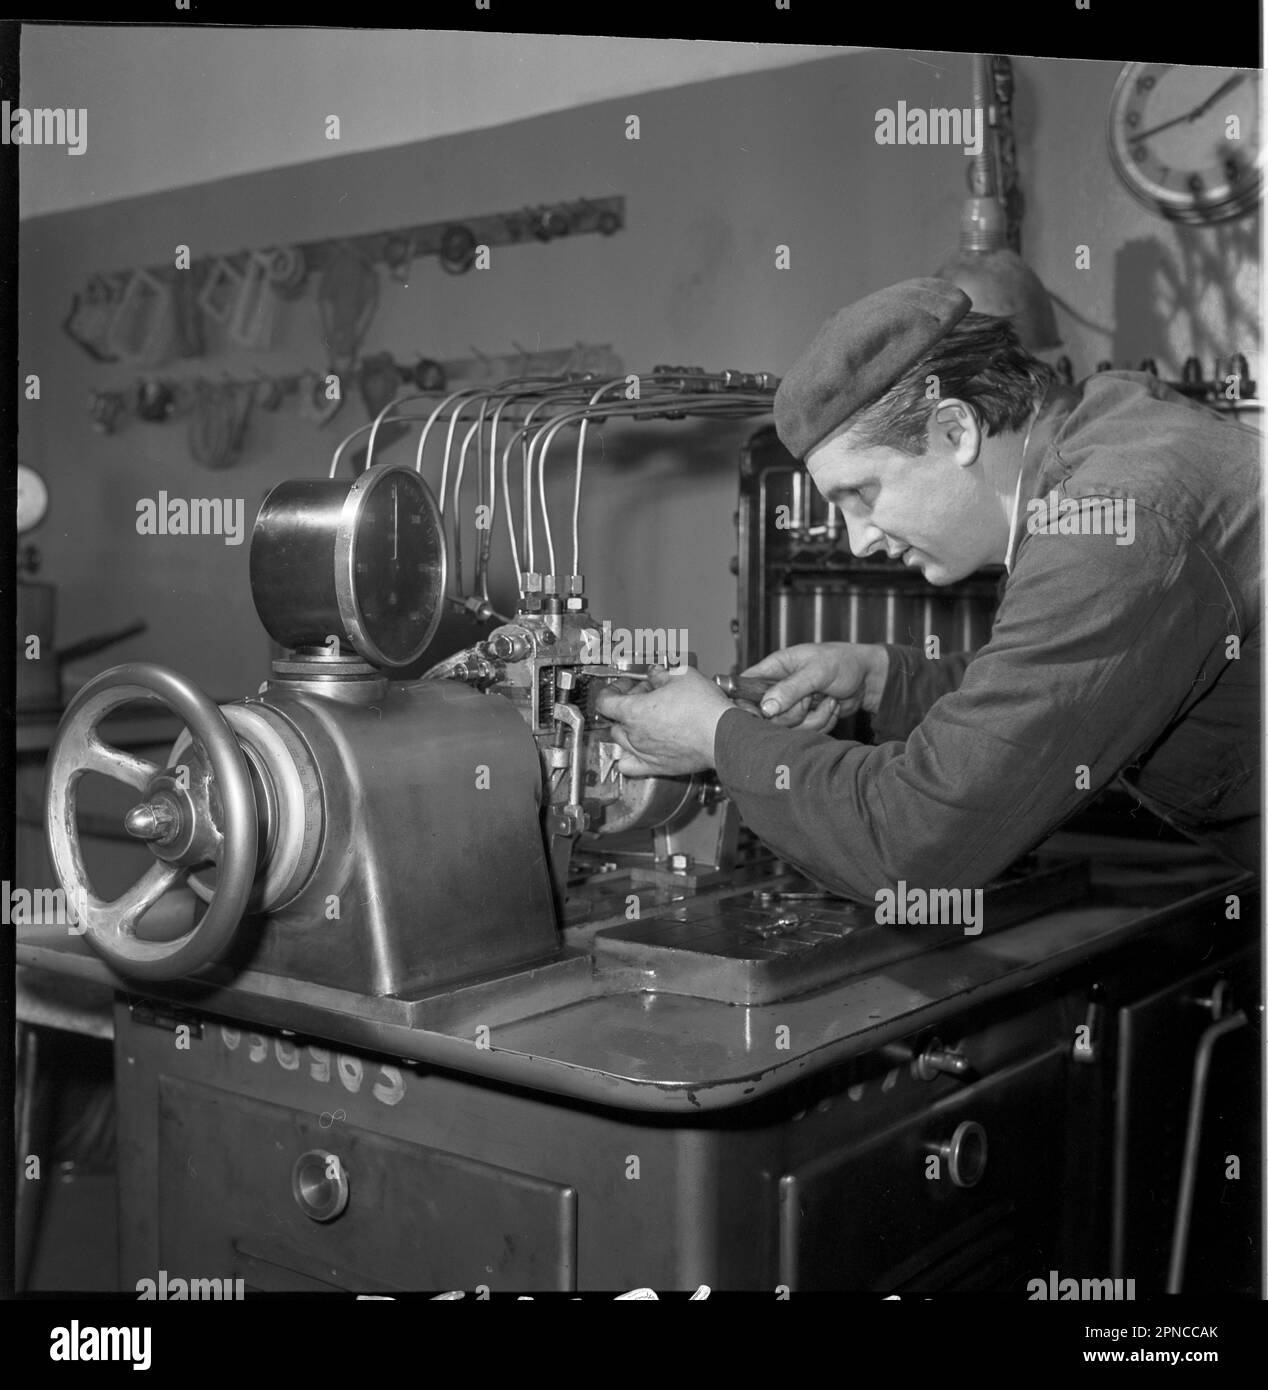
{"x":786,"y":939}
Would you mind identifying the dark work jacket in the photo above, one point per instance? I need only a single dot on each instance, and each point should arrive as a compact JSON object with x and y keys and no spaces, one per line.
{"x":1106,"y":660}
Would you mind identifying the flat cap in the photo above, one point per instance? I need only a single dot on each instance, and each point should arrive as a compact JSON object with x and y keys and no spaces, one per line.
{"x":859,"y":354}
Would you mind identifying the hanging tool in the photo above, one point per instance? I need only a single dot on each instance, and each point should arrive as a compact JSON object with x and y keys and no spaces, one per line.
{"x":288,"y":270}
{"x":457,"y":250}
{"x":217,"y":425}
{"x":380,"y":380}
{"x":219,"y":295}
{"x":88,"y":322}
{"x":251,"y":322}
{"x":347,"y":299}
{"x":143,"y":328}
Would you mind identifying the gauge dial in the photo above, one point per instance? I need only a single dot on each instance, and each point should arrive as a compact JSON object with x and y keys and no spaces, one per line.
{"x":32,"y":499}
{"x":363,"y":563}
{"x":1187,"y":141}
{"x":389,"y":565}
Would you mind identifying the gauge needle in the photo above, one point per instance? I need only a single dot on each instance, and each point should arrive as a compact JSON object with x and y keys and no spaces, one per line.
{"x":1195,"y":113}
{"x":396,"y":521}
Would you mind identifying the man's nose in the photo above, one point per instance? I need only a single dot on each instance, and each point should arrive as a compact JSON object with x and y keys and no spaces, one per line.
{"x":864,"y":537}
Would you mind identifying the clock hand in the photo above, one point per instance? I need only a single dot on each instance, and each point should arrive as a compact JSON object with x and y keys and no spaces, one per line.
{"x":1153,"y":130}
{"x":1195,"y":113}
{"x":1228,"y":86}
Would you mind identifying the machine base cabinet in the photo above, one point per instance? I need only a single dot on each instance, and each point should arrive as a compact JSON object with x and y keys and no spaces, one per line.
{"x":290,"y":1165}
{"x":1042,"y":1132}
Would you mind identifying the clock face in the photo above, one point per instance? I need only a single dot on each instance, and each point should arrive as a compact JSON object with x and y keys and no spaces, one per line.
{"x":1187,"y":141}
{"x":32,"y":498}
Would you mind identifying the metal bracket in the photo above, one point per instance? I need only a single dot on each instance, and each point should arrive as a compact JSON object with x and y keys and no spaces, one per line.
{"x":1087,"y":1036}
{"x":165,"y":1016}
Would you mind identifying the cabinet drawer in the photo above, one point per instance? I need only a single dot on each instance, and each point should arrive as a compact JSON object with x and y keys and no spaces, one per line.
{"x":888,"y":1213}
{"x":412,"y":1217}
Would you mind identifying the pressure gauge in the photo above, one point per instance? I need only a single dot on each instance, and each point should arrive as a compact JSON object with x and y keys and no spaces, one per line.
{"x":361,"y":562}
{"x":32,"y":499}
{"x":1187,"y":141}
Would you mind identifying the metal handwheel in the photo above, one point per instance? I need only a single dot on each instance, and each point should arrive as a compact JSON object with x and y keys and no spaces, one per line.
{"x":200,"y":812}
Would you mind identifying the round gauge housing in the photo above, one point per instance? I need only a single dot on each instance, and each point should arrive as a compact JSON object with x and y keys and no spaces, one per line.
{"x":361,"y":562}
{"x":1186,"y":141}
{"x":32,"y":499}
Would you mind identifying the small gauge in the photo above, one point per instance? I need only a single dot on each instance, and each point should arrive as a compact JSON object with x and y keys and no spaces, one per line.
{"x":361,"y":562}
{"x":32,"y":499}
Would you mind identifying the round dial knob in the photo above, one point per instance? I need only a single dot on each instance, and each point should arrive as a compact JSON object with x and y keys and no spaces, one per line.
{"x":319,"y":1184}
{"x":964,"y":1153}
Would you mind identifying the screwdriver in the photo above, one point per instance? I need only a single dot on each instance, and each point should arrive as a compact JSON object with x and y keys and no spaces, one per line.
{"x":752,"y":688}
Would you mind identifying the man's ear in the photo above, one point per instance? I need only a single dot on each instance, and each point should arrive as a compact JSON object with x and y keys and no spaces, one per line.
{"x":955,"y":427}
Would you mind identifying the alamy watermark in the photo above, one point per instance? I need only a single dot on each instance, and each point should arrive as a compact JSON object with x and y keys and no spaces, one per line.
{"x":172,"y":1289}
{"x":939,"y":126}
{"x":1082,"y":516}
{"x":933,"y":907}
{"x":44,"y":125}
{"x":195,"y":516}
{"x":1054,"y":1288}
{"x":76,"y":1343}
{"x":43,"y":907}
{"x":639,"y":646}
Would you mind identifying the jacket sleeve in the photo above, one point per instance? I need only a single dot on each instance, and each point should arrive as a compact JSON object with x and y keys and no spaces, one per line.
{"x":1095,"y":649}
{"x":915,"y":682}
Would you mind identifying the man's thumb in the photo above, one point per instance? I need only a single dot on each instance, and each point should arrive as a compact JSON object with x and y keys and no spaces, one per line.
{"x":784,"y":694}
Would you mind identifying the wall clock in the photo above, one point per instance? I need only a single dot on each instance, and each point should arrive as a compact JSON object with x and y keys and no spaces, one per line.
{"x":1187,"y":141}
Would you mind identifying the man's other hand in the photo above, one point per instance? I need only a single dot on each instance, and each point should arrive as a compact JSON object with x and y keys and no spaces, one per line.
{"x":850,"y":676}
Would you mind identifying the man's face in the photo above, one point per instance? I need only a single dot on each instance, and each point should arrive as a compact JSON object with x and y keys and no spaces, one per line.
{"x":935,"y":511}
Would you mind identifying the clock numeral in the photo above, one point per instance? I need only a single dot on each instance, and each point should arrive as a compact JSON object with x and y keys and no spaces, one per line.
{"x":1145,"y":84}
{"x":1195,"y":183}
{"x":1232,"y":170}
{"x":1140,"y":153}
{"x":1133,"y":119}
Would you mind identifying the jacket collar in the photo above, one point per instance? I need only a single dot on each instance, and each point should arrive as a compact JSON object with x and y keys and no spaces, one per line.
{"x":1044,"y":466}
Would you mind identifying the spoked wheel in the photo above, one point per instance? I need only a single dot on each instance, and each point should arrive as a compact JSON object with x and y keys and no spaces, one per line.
{"x":199,"y":812}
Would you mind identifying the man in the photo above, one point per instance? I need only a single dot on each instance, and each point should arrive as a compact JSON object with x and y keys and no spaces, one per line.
{"x":1126,"y":644}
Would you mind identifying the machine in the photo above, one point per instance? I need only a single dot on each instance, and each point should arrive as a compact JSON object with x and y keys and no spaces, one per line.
{"x":465,"y":1008}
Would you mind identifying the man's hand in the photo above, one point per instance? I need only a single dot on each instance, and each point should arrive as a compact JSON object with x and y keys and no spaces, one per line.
{"x":850,"y":676}
{"x":666,"y":724}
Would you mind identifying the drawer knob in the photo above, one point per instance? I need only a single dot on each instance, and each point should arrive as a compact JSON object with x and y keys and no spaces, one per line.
{"x":937,"y":1060}
{"x":1219,"y":1002}
{"x":964,"y":1153}
{"x":319,"y":1182}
